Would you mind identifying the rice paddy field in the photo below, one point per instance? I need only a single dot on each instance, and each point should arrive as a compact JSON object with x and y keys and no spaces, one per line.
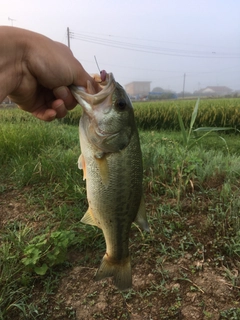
{"x":187,"y":267}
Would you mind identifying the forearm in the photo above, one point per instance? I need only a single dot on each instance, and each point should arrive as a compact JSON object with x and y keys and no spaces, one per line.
{"x":12,"y":48}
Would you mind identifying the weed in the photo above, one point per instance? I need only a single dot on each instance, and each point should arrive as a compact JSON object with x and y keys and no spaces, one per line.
{"x":47,"y":250}
{"x":230,"y":314}
{"x":185,"y":169}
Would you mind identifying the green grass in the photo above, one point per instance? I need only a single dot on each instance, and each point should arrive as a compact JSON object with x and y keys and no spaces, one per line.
{"x":40,"y":158}
{"x":39,"y":163}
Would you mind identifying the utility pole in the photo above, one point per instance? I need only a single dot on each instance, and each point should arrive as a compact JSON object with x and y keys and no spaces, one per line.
{"x":184,"y":76}
{"x":68,"y":37}
{"x":9,"y":19}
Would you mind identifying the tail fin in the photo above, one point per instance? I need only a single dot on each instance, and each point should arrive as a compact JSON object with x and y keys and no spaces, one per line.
{"x":120,"y":271}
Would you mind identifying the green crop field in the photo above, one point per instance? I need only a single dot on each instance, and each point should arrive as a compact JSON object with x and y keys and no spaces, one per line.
{"x":187,"y":264}
{"x":162,"y":115}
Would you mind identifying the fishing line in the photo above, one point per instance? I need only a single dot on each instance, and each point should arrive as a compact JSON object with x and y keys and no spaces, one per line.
{"x":97,"y":64}
{"x":103,"y":73}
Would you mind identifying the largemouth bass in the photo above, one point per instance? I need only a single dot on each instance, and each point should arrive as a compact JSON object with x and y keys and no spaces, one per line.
{"x":111,"y":160}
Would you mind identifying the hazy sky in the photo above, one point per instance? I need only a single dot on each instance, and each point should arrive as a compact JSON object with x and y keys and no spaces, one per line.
{"x":143,"y":40}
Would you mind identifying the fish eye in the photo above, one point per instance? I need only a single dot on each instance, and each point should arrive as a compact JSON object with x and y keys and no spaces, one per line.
{"x":121,"y":104}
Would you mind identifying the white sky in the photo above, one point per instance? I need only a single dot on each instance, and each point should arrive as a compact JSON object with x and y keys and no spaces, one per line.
{"x":167,"y":38}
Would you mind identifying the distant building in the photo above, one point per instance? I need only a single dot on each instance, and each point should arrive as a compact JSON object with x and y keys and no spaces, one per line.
{"x":217,"y":91}
{"x":138,"y":88}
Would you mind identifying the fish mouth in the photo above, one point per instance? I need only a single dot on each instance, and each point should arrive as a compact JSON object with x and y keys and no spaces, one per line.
{"x":88,"y":98}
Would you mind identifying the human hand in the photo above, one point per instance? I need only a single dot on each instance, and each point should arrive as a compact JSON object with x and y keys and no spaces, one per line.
{"x":42,"y":75}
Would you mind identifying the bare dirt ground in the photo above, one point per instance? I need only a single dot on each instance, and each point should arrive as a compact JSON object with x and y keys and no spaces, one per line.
{"x":193,"y":286}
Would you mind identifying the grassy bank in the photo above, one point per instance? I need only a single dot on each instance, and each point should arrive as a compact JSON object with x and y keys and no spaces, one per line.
{"x":192,"y":200}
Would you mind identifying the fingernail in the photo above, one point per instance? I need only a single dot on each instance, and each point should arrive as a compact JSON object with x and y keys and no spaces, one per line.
{"x":61,"y":92}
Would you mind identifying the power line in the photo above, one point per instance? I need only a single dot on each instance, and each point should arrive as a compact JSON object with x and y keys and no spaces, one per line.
{"x":189,"y":73}
{"x":150,"y":49}
{"x":153,"y":40}
{"x":68,"y":37}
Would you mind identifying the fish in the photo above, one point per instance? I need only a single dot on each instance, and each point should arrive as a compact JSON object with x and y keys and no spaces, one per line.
{"x":111,"y":161}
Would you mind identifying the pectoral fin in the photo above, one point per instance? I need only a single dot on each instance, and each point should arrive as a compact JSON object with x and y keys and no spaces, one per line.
{"x":141,"y":218}
{"x":103,"y":168}
{"x":82,"y":166}
{"x":88,"y":218}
